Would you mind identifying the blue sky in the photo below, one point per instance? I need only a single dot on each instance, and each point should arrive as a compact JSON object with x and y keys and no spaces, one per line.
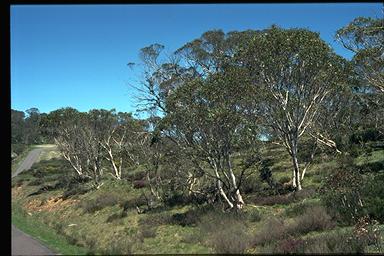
{"x":76,"y":55}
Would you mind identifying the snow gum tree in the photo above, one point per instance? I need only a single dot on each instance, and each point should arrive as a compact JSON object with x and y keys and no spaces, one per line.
{"x":294,"y":71}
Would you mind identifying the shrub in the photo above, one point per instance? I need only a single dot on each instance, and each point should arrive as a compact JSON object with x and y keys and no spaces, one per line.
{"x":299,"y":208}
{"x":77,"y":190}
{"x":225,"y":232}
{"x":119,"y":246}
{"x":284,"y":179}
{"x":156,"y":219}
{"x":140,"y":184}
{"x":251,"y":184}
{"x":132,"y":203}
{"x":254,"y":216}
{"x":373,"y":197}
{"x":99,"y":203}
{"x":18,"y":148}
{"x":342,"y":242}
{"x":341,"y":194}
{"x":373,"y":167}
{"x":290,"y":245}
{"x":36,"y":182}
{"x":139,"y":175}
{"x":314,"y":219}
{"x":116,"y":216}
{"x":146,"y":231}
{"x":272,"y":200}
{"x":272,"y":230}
{"x":173,"y":198}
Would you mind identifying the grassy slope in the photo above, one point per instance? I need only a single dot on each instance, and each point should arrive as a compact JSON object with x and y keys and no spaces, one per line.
{"x":33,"y":226}
{"x":126,"y":234}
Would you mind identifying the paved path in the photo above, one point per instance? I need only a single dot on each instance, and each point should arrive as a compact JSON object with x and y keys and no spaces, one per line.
{"x":23,"y":244}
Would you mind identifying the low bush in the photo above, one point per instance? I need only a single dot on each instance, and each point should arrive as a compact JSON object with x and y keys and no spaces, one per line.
{"x":35,"y":182}
{"x":116,"y":216}
{"x":225,"y":232}
{"x":139,"y":175}
{"x":284,"y":179}
{"x":272,"y":230}
{"x":315,"y":218}
{"x":373,"y":197}
{"x":140,"y":184}
{"x":290,"y":245}
{"x":373,"y":167}
{"x":251,"y":184}
{"x":77,"y":190}
{"x":155,"y":219}
{"x":253,"y":216}
{"x":146,"y":231}
{"x":91,"y":206}
{"x":272,"y":200}
{"x":342,"y":193}
{"x":119,"y":246}
{"x":299,"y":208}
{"x":341,"y":242}
{"x":174,"y":198}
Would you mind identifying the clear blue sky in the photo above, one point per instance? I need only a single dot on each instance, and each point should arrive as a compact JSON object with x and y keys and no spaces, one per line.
{"x":76,"y":55}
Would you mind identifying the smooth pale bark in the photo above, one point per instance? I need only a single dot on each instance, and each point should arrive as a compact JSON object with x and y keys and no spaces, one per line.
{"x":296,"y":168}
{"x":238,"y":198}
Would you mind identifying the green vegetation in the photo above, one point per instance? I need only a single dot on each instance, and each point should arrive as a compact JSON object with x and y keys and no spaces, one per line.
{"x":45,"y":234}
{"x":106,"y":221}
{"x":260,"y":141}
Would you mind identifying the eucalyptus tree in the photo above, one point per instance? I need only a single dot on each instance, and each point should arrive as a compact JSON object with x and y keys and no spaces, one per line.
{"x":65,"y":126}
{"x":204,"y":129}
{"x":294,"y":71}
{"x":17,"y":126}
{"x":365,"y":38}
{"x":120,"y":139}
{"x":206,"y":118}
{"x":31,"y":126}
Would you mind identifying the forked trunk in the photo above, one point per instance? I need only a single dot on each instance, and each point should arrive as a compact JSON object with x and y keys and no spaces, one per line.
{"x":296,"y":181}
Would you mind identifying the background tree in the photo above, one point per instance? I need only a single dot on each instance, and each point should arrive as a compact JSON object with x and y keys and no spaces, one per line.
{"x":294,"y":71}
{"x":17,"y":126}
{"x":365,"y":37}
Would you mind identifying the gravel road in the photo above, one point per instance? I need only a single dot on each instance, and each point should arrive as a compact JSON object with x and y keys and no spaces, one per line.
{"x":23,"y":244}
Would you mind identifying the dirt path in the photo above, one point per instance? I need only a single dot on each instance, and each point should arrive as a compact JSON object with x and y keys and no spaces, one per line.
{"x":23,"y":244}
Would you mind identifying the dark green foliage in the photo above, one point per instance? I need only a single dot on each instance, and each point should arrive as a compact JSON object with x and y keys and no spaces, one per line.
{"x":189,"y":218}
{"x":76,"y":190}
{"x":299,"y":208}
{"x":341,"y":192}
{"x":18,"y":148}
{"x":367,"y":135}
{"x":132,"y":203}
{"x":140,"y":184}
{"x":285,"y":198}
{"x":314,"y":218}
{"x":173,"y":198}
{"x":91,"y":206}
{"x":139,"y":175}
{"x":373,"y":197}
{"x":116,"y":216}
{"x":35,"y":182}
{"x":373,"y":167}
{"x":285,"y":179}
{"x":251,"y":184}
{"x":254,"y":216}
